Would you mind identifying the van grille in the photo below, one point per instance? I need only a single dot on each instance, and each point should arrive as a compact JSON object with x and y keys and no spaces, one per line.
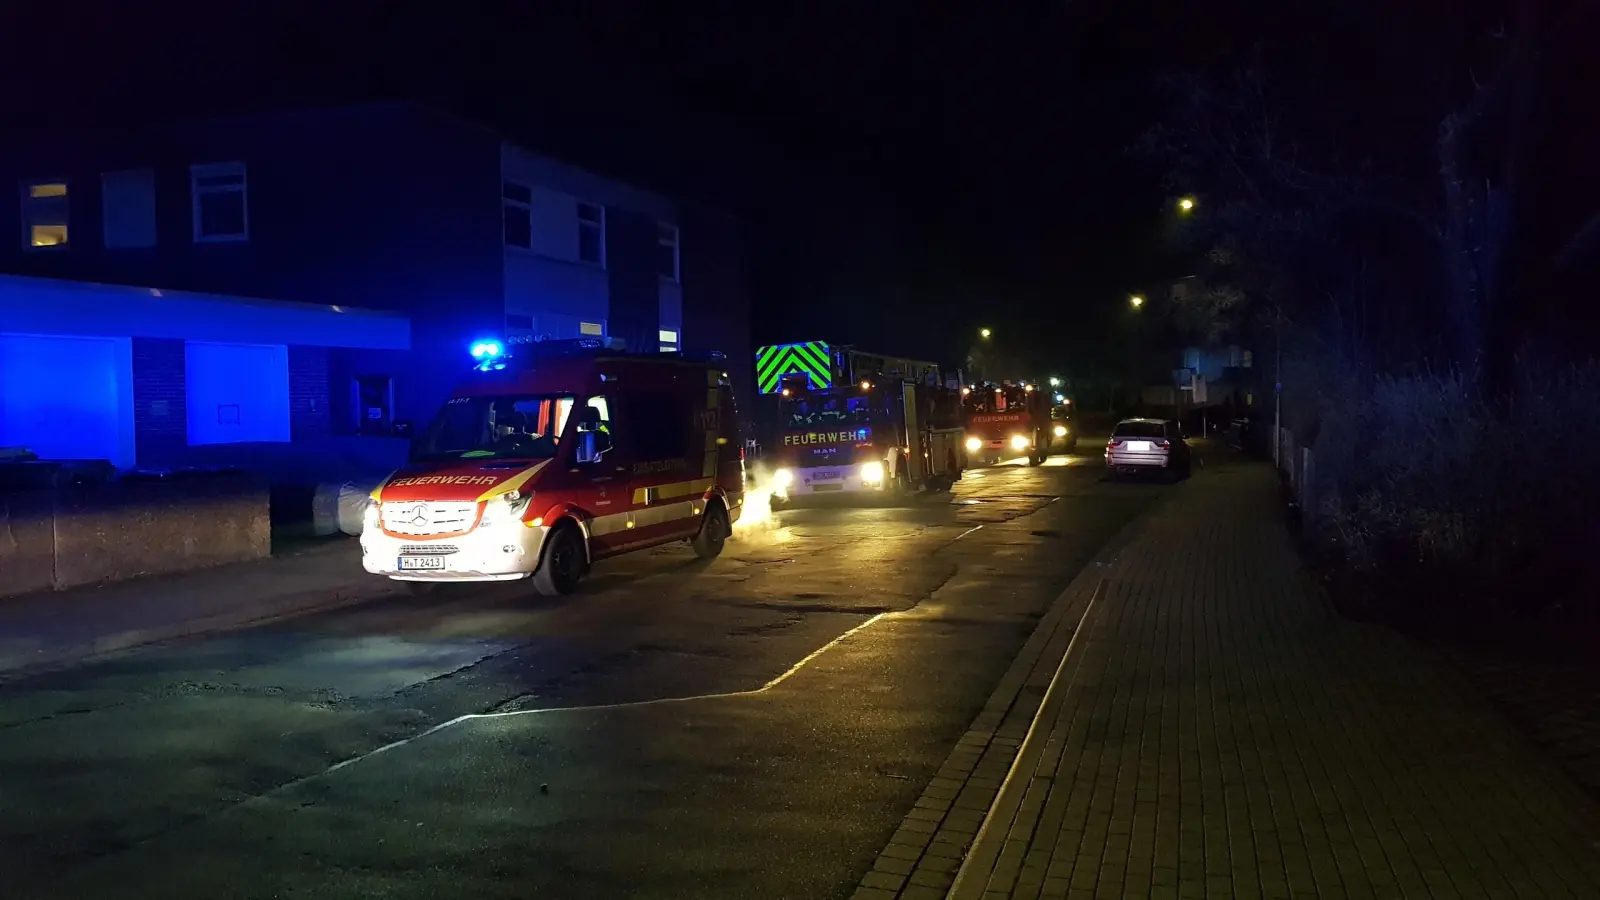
{"x":422,"y":518}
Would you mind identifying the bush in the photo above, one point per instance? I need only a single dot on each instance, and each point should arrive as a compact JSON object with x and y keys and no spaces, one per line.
{"x":1442,"y":497}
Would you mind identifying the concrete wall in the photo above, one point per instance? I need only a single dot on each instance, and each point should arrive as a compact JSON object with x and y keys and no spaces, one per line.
{"x":75,"y":535}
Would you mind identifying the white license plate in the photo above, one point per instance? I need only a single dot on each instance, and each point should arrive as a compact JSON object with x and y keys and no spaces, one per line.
{"x":1139,"y":446}
{"x":425,"y":563}
{"x":825,"y":476}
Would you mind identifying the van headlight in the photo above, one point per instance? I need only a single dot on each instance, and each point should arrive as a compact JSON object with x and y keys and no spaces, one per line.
{"x":783,"y":478}
{"x":1020,"y":442}
{"x":872,"y":472}
{"x":1061,"y":431}
{"x":504,"y":509}
{"x":974,"y":445}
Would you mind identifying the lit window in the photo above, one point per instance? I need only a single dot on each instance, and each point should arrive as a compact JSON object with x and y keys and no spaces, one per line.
{"x":516,"y":202}
{"x":44,"y":214}
{"x":221,"y":202}
{"x":591,"y":233}
{"x":667,"y":251}
{"x":594,"y":328}
{"x":668,"y":337}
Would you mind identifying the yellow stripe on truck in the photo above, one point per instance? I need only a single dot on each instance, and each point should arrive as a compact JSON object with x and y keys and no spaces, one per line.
{"x":514,"y":483}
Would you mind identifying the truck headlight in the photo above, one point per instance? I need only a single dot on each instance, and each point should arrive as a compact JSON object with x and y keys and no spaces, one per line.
{"x":1061,"y":431}
{"x":1020,"y":442}
{"x":872,"y":472}
{"x":783,"y":478}
{"x":974,"y":445}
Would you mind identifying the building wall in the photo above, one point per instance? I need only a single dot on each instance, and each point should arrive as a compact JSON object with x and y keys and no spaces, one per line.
{"x":549,"y":284}
{"x":160,"y":400}
{"x":716,"y":295}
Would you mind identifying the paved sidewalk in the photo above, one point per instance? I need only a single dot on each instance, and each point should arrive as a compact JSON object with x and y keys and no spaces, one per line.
{"x":1216,"y":731}
{"x":53,"y":629}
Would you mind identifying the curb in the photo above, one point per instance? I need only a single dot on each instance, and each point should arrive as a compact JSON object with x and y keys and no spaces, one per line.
{"x":287,"y":606}
{"x":932,"y":845}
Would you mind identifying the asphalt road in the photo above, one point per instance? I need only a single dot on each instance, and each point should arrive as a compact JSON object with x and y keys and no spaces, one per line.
{"x":752,"y":727}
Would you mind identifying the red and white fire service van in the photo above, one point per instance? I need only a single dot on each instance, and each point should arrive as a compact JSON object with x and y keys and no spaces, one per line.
{"x":556,"y":456}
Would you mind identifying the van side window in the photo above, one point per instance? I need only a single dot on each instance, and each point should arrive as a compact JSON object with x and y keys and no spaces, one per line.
{"x":658,"y":426}
{"x":594,"y":417}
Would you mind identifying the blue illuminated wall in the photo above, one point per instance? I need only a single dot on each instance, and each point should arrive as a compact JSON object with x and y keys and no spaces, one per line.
{"x":67,"y":397}
{"x":237,"y":393}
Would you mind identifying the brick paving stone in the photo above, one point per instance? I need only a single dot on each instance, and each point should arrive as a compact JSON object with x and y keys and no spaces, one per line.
{"x":1219,"y":732}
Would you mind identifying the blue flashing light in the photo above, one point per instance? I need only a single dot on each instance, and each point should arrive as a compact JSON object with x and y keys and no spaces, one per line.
{"x":861,"y":435}
{"x":484,"y":350}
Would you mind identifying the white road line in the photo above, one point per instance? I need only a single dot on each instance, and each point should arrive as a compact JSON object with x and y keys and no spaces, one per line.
{"x":659,"y":701}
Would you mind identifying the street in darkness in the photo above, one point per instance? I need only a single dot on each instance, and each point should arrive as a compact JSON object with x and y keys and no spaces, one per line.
{"x":752,"y":727}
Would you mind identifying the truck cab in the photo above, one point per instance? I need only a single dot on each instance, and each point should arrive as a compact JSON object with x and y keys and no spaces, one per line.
{"x":549,"y":459}
{"x":1006,"y":420}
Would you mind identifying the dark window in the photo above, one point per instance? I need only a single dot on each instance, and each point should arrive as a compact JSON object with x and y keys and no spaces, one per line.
{"x":667,"y":251}
{"x":128,"y":208}
{"x":221,"y":202}
{"x":591,"y":233}
{"x":516,"y":201}
{"x":658,"y":426}
{"x":1141,"y":430}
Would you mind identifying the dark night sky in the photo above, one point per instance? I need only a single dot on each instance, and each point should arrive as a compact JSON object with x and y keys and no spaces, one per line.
{"x":908,"y":177}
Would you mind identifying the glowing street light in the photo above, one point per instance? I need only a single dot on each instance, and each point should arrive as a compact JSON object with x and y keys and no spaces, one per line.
{"x":1186,"y":204}
{"x":1054,"y":381}
{"x":984,"y":332}
{"x":1137,"y":301}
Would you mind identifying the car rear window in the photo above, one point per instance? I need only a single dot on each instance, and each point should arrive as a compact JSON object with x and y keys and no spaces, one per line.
{"x":1140,"y":430}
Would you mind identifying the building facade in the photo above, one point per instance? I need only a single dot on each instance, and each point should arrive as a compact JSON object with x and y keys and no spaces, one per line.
{"x":349,"y":256}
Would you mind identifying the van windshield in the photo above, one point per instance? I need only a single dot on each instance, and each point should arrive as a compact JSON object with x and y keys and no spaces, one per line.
{"x":506,"y":427}
{"x":825,"y":411}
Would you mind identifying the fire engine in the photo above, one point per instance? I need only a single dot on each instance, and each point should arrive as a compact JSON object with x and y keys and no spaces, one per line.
{"x":547,"y":460}
{"x":1007,"y":419}
{"x":851,"y":422}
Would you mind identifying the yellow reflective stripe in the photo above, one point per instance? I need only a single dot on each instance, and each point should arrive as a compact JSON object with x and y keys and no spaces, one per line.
{"x":676,"y":489}
{"x":513,"y":483}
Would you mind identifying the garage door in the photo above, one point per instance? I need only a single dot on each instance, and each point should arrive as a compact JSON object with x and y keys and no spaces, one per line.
{"x":237,"y":393}
{"x":63,"y":397}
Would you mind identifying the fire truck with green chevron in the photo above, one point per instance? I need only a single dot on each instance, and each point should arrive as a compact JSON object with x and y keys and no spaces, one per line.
{"x":844,"y":421}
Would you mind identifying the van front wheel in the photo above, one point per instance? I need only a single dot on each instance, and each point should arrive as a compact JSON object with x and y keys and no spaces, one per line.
{"x":558,"y":574}
{"x":713,"y":534}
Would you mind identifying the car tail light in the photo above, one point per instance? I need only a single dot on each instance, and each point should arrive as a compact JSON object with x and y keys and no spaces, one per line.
{"x":1163,"y":444}
{"x":1113,"y":444}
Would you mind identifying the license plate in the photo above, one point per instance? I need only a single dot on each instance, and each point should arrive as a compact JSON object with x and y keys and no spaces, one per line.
{"x":425,"y":563}
{"x":825,"y":476}
{"x":1139,"y":446}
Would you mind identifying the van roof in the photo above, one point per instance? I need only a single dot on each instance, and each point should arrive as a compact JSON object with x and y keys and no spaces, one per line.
{"x":587,"y":373}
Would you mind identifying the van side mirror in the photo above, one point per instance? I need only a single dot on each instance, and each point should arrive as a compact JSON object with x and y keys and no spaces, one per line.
{"x":588,"y":448}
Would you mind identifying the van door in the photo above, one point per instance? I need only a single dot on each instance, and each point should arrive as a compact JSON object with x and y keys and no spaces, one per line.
{"x":665,"y":481}
{"x":600,"y":473}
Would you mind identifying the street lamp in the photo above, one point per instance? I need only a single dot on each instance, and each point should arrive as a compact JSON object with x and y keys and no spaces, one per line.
{"x":1137,"y":301}
{"x":1186,"y":204}
{"x":1054,"y":381}
{"x":983,"y":332}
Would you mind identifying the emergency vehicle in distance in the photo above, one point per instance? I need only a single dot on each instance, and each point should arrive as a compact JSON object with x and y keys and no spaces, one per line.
{"x":563,"y":453}
{"x":853,"y":422}
{"x":1007,"y":419}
